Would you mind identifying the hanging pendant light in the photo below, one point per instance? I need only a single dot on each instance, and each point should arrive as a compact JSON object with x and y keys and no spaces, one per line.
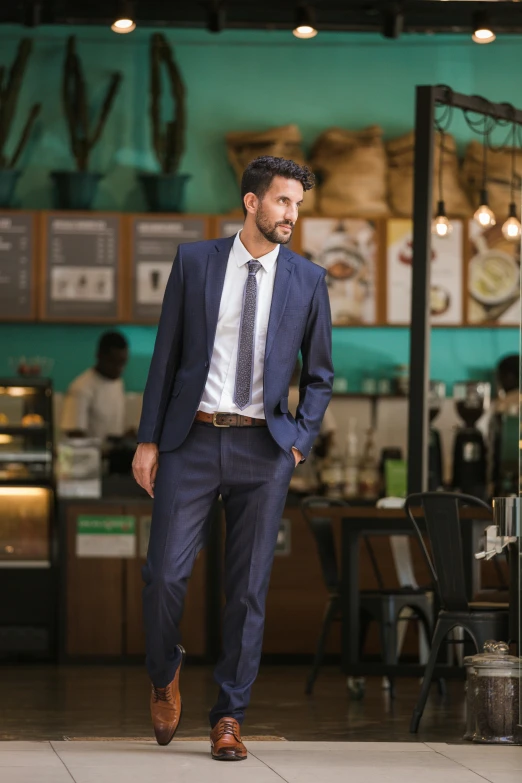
{"x":512,"y":230}
{"x":305,"y":22}
{"x":484,"y":215}
{"x":441,"y":225}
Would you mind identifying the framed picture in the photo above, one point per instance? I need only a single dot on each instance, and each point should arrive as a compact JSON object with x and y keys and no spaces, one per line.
{"x":493,"y":277}
{"x":348,"y":248}
{"x":446,"y":298}
{"x":153,"y":243}
{"x":18,"y":277}
{"x":81,"y":269}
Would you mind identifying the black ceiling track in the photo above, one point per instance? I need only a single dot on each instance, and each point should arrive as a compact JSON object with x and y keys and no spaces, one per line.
{"x":427,"y":16}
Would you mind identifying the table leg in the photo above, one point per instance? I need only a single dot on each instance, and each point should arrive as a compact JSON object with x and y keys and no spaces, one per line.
{"x":350,"y":594}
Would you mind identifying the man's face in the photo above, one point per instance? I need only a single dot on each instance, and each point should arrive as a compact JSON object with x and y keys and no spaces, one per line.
{"x":277,"y":211}
{"x":112,"y":363}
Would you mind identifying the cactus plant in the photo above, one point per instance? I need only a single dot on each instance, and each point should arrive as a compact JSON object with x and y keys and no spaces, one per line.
{"x":10,"y":86}
{"x":169,"y":143}
{"x":75,"y":104}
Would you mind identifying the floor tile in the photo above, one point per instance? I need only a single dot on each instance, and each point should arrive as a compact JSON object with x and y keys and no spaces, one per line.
{"x":349,"y":774}
{"x":482,"y":758}
{"x":32,"y":775}
{"x":513,"y":776}
{"x":23,"y":745}
{"x":138,"y":754}
{"x":353,"y":747}
{"x":339,"y":754}
{"x":33,"y":758}
{"x":212,"y":772}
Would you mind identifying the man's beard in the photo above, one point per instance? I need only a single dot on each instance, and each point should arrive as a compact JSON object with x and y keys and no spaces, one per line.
{"x":272,"y":232}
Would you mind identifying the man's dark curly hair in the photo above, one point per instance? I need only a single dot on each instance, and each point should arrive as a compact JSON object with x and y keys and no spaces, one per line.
{"x":258,"y":175}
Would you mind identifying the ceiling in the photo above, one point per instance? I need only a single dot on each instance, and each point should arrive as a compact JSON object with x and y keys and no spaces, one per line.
{"x":453,"y":16}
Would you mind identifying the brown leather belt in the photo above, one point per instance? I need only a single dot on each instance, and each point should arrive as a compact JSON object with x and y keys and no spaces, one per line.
{"x":229,"y":420}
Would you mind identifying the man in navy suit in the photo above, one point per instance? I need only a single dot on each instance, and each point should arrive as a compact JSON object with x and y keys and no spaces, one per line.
{"x":215,"y":421}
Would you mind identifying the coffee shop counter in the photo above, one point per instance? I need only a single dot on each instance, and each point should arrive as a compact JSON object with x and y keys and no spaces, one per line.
{"x":104,"y":543}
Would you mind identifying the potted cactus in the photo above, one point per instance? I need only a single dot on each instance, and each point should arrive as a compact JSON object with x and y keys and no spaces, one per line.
{"x":77,"y":189}
{"x":165,"y":192}
{"x":10,"y":85}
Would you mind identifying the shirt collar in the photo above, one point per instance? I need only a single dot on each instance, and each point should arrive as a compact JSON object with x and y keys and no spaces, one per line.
{"x":242,"y":256}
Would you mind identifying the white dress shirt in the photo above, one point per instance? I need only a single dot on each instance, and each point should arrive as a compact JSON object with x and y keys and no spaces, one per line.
{"x":95,"y":405}
{"x":219,"y":390}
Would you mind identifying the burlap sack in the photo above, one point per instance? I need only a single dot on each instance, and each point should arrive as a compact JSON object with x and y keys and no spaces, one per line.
{"x":400,"y":176}
{"x":284,"y":142}
{"x":351,"y":169}
{"x":498,"y":176}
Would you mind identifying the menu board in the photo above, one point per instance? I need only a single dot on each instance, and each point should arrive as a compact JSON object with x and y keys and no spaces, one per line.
{"x":17,"y":274}
{"x":446,"y":274}
{"x":348,"y":249}
{"x":154,"y":242}
{"x":81,"y":267}
{"x":493,"y":288}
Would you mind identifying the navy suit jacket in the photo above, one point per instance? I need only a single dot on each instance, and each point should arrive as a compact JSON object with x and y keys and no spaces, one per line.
{"x":299,"y":320}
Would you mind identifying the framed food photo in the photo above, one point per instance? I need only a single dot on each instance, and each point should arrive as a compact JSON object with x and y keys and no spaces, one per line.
{"x":348,"y":249}
{"x":493,"y":290}
{"x":447,"y":261}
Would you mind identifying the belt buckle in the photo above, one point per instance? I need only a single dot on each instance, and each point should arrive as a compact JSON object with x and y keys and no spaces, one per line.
{"x":214,"y":421}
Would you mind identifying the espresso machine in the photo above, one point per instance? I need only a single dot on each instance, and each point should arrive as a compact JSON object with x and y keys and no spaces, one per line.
{"x":472,"y":399}
{"x":437,"y":394}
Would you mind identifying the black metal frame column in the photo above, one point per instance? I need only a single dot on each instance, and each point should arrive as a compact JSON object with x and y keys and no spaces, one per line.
{"x":427,"y":98}
{"x":420,"y":291}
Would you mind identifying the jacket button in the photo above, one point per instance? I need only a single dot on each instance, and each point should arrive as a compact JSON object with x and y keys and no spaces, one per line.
{"x":206,"y":364}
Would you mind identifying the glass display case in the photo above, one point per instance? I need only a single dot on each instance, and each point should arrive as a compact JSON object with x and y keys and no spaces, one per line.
{"x":26,"y":430}
{"x":28,"y":548}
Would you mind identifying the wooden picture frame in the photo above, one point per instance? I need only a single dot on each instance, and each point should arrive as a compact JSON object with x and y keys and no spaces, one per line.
{"x":20,"y":286}
{"x":81,"y":310}
{"x":148,"y":259}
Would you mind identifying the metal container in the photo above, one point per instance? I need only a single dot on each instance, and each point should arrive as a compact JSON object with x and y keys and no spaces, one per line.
{"x":493,"y":696}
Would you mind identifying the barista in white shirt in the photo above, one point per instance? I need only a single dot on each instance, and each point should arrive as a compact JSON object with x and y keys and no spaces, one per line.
{"x":94,"y":405}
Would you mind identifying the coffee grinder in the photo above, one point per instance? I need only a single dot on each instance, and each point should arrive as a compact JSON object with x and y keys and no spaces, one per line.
{"x":472,"y":400}
{"x":437,"y":394}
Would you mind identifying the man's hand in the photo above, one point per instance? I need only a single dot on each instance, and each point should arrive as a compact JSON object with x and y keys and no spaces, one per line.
{"x":145,"y":466}
{"x":297,"y":455}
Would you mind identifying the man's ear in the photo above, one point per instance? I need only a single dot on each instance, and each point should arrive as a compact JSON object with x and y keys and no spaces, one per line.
{"x":250,"y":201}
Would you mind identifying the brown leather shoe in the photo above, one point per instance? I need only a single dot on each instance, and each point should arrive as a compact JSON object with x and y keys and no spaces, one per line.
{"x":166,"y":707}
{"x":225,"y":741}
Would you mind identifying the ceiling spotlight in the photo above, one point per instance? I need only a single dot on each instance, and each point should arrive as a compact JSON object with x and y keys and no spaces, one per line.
{"x":124,"y":21}
{"x":216,"y":16}
{"x":482,"y":31}
{"x":393,"y":24}
{"x":305,"y":22}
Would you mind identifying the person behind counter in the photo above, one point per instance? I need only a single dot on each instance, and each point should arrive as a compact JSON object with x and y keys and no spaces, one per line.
{"x":94,"y":405}
{"x":503,"y":429}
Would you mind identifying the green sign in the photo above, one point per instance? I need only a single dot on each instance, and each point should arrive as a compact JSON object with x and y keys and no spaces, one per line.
{"x":102,"y":535}
{"x":100,"y":524}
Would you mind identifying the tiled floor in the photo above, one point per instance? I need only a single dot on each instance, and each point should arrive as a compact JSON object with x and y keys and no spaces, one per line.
{"x":268,"y":762}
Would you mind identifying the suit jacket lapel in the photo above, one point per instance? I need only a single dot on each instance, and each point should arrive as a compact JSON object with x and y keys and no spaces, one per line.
{"x":284,"y":271}
{"x":214,"y":280}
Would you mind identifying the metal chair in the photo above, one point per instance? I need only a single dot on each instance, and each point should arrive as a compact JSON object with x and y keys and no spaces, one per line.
{"x":481,"y":621}
{"x":382,"y":605}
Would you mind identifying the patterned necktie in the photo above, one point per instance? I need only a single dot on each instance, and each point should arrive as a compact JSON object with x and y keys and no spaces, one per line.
{"x":245,"y":350}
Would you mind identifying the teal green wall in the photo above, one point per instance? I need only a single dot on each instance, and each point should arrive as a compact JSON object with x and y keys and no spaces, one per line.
{"x":247,"y":80}
{"x":359,"y":352}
